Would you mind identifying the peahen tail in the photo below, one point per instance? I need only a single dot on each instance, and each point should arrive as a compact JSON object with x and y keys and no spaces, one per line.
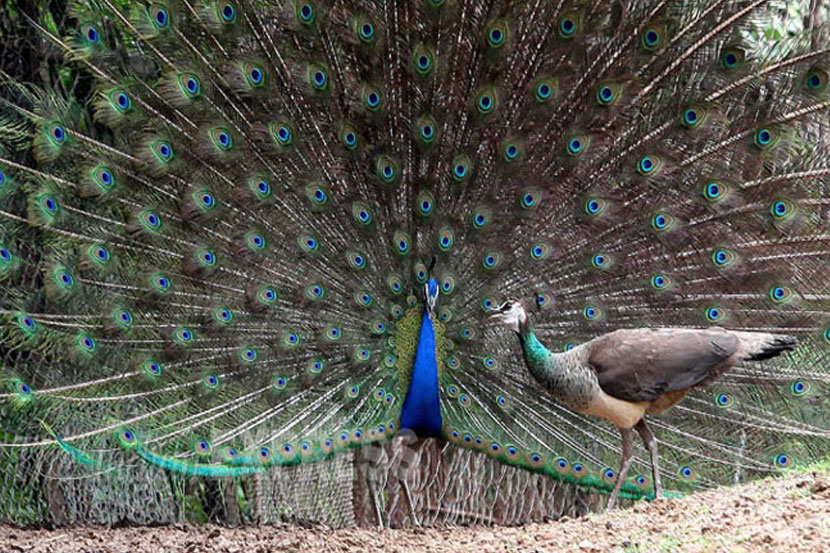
{"x":275,"y":231}
{"x":758,"y":346}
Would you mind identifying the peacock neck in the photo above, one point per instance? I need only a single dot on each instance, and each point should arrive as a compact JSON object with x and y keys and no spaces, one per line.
{"x":543,"y":364}
{"x":421,"y":411}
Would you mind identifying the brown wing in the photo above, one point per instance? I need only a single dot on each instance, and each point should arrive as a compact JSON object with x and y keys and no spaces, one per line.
{"x":642,"y":364}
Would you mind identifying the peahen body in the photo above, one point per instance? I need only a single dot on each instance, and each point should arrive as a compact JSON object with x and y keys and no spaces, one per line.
{"x":277,"y":231}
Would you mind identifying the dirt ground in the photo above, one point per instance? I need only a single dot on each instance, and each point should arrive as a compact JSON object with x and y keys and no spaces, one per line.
{"x":790,"y":514}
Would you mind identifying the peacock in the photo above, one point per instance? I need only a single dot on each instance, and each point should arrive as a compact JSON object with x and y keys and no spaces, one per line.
{"x":281,"y":230}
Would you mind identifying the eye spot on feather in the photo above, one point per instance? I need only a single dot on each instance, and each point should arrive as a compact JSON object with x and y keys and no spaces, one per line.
{"x":693,"y":117}
{"x":284,"y":135}
{"x":267,"y":296}
{"x":160,"y":282}
{"x":486,"y":102}
{"x":57,"y":134}
{"x":648,"y":165}
{"x":372,"y":99}
{"x":661,"y":282}
{"x":86,"y":344}
{"x":569,"y":25}
{"x":715,"y":314}
{"x":601,"y":261}
{"x":317,"y":78}
{"x":264,"y":455}
{"x":651,"y":39}
{"x":781,"y":294}
{"x":63,"y":279}
{"x":577,"y":145}
{"x":305,"y":14}
{"x":490,"y":363}
{"x":816,"y":80}
{"x":160,"y":17}
{"x":202,"y":448}
{"x":152,"y":368}
{"x":766,"y":139}
{"x":732,"y":58}
{"x":724,"y":400}
{"x":491,"y":261}
{"x":91,"y":34}
{"x":26,"y":324}
{"x":592,"y":313}
{"x":715,"y":191}
{"x":606,"y":95}
{"x":127,"y":437}
{"x":594,"y":207}
{"x":783,"y":461}
{"x":723,"y":258}
{"x":800,"y":388}
{"x":782,"y":210}
{"x":211,"y":381}
{"x":227,"y":12}
{"x":223,"y":315}
{"x":540,"y":251}
{"x":662,"y":222}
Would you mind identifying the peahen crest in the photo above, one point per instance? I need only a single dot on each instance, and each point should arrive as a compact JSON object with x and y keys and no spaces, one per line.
{"x":277,"y":230}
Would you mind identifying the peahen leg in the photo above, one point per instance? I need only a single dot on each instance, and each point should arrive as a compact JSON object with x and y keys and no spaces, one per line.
{"x":651,"y":444}
{"x":625,"y":464}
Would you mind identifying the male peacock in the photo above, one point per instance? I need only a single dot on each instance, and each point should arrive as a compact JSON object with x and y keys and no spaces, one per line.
{"x":280,"y":228}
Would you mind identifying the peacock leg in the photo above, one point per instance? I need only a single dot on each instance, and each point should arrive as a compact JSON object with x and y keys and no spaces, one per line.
{"x":625,"y":464}
{"x":651,"y":444}
{"x":373,"y":493}
{"x":411,"y":503}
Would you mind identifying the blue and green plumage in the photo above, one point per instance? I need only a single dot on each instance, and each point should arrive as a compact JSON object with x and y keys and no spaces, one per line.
{"x":228,"y":242}
{"x":421,"y":410}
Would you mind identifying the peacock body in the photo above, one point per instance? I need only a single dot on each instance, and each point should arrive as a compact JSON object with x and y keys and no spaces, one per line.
{"x":278,"y":230}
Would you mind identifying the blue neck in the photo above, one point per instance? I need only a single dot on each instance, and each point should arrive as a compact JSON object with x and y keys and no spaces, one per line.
{"x":421,"y":410}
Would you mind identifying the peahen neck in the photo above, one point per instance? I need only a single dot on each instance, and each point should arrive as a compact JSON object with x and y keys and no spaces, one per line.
{"x":421,"y":411}
{"x":542,"y":363}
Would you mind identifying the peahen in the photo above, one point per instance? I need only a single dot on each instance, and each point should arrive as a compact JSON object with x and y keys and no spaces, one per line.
{"x":624,"y":375}
{"x":278,"y":231}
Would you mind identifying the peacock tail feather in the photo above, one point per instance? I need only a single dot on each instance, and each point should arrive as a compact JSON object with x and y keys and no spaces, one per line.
{"x":221,"y":265}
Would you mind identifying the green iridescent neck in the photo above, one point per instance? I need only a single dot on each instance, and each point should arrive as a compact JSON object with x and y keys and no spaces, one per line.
{"x":539,"y":359}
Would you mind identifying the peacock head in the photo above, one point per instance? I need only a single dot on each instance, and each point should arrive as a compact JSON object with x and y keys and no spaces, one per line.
{"x":431,"y":294}
{"x":512,"y":314}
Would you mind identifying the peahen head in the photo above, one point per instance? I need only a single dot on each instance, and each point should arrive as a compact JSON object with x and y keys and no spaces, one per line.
{"x":512,"y":314}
